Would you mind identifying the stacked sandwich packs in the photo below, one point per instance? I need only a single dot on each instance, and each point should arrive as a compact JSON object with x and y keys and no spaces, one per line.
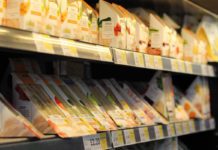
{"x":70,"y":106}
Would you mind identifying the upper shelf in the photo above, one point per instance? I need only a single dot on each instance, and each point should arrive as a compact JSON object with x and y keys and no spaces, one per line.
{"x":20,"y":40}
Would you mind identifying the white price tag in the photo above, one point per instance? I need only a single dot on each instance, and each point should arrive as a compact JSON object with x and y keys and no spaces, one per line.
{"x":159,"y":131}
{"x":174,"y":65}
{"x":210,"y":70}
{"x":139,"y":59}
{"x":204,"y":70}
{"x":117,"y":138}
{"x":202,"y":125}
{"x":120,"y":56}
{"x":212,"y":123}
{"x":92,"y":142}
{"x":192,"y":126}
{"x":181,"y":66}
{"x":188,"y":67}
{"x":144,"y":134}
{"x":129,"y":136}
{"x":171,"y":130}
{"x":104,"y":53}
{"x":158,"y":64}
{"x":68,"y":47}
{"x":43,"y":43}
{"x":185,"y":127}
{"x":149,"y":61}
{"x":178,"y":127}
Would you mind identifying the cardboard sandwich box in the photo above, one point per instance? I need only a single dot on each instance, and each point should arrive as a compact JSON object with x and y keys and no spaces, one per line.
{"x":25,"y":14}
{"x":51,"y":18}
{"x":180,"y":113}
{"x":112,"y":26}
{"x":82,"y":127}
{"x":78,"y":105}
{"x":198,"y":94}
{"x":92,"y":104}
{"x":33,"y":101}
{"x":130,"y":27}
{"x":13,"y":124}
{"x":70,"y":14}
{"x":207,"y":32}
{"x":142,"y":36}
{"x":190,"y":44}
{"x":114,"y":111}
{"x":130,"y":116}
{"x":159,"y":36}
{"x":3,"y":5}
{"x":183,"y":101}
{"x":131,"y":99}
{"x":88,"y":24}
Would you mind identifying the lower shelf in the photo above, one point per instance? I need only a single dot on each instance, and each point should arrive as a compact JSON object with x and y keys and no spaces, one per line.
{"x":112,"y":139}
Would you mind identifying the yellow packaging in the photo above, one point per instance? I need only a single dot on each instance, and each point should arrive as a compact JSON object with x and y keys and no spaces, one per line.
{"x":25,"y":14}
{"x":71,"y":11}
{"x":3,"y":4}
{"x":190,"y":44}
{"x":51,"y":18}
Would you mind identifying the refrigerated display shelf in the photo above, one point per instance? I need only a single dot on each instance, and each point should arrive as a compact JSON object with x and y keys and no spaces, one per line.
{"x":20,"y":40}
{"x":117,"y":138}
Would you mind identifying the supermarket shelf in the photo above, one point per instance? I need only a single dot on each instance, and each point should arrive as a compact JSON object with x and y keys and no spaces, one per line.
{"x":118,"y":138}
{"x":39,"y":43}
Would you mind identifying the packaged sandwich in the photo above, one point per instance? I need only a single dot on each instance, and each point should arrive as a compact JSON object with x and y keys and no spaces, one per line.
{"x":51,"y":18}
{"x":3,"y":5}
{"x":159,"y":36}
{"x":121,"y":117}
{"x":190,"y":44}
{"x":70,"y":12}
{"x":198,"y":94}
{"x":13,"y":124}
{"x":83,"y":127}
{"x":182,"y":100}
{"x":91,"y":103}
{"x":77,"y":103}
{"x":25,"y":14}
{"x":112,"y":26}
{"x":33,"y":101}
{"x":141,"y":103}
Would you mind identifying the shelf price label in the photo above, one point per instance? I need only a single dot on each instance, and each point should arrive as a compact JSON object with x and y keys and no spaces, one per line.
{"x":104,"y":53}
{"x":174,"y":65}
{"x":129,"y":135}
{"x":117,"y":138}
{"x":120,"y":56}
{"x":210,"y":70}
{"x":43,"y":43}
{"x":192,"y":126}
{"x":159,"y":131}
{"x":144,"y":134}
{"x":181,"y":65}
{"x":158,"y":64}
{"x":149,"y":61}
{"x":171,"y":130}
{"x":202,"y":125}
{"x":69,"y":48}
{"x":188,"y":67}
{"x":92,"y":142}
{"x":185,"y":127}
{"x":178,"y":127}
{"x":204,"y":70}
{"x":139,"y":59}
{"x":103,"y":140}
{"x":212,"y":123}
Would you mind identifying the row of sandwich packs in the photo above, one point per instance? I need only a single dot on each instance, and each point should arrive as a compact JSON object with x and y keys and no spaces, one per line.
{"x":70,"y":106}
{"x":114,"y":26}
